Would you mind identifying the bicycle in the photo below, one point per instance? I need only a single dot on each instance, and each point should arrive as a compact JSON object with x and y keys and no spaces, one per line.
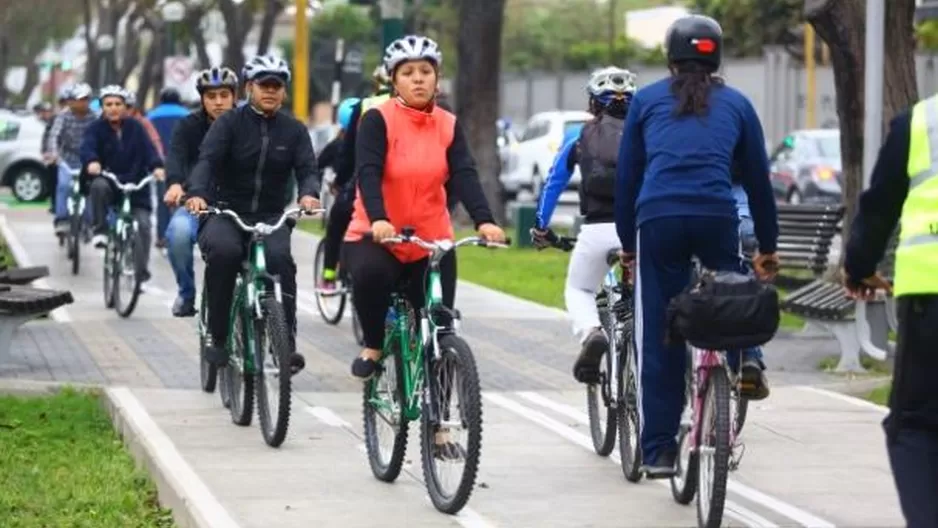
{"x":78,"y":231}
{"x":121,"y":250}
{"x":341,"y":296}
{"x":420,"y":356}
{"x":617,"y":393}
{"x":259,"y":341}
{"x":711,"y":424}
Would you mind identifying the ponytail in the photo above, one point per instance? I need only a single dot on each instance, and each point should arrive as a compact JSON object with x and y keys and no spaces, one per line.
{"x":691,"y":84}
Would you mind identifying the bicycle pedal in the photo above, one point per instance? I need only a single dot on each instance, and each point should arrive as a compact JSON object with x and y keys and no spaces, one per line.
{"x":736,"y":455}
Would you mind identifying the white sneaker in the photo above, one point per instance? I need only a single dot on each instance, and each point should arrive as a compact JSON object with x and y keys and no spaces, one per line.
{"x":99,"y":241}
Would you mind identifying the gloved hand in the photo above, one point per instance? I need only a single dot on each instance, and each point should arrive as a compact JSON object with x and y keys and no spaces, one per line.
{"x":543,"y":238}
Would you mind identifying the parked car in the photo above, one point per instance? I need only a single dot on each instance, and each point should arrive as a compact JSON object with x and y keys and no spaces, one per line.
{"x":535,"y":151}
{"x":806,"y":167}
{"x":21,"y":165}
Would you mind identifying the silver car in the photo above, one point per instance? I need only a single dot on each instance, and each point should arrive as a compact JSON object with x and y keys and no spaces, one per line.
{"x":21,"y":165}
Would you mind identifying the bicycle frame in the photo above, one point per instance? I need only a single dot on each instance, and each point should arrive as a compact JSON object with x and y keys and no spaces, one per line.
{"x":75,"y":202}
{"x":125,"y":212}
{"x":702,"y":361}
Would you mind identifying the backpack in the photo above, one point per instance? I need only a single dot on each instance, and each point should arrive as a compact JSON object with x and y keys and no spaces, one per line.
{"x":598,"y":155}
{"x":724,"y":311}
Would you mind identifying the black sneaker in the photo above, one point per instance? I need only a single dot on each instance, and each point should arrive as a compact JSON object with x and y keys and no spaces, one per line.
{"x":184,"y":307}
{"x":753,"y":384}
{"x":586,"y":368}
{"x":216,"y":355}
{"x":664,"y":467}
{"x":364,"y":369}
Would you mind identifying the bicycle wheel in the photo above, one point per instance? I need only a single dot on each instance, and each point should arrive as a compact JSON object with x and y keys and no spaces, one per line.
{"x":383,"y":413}
{"x":74,"y":242}
{"x":452,"y":377}
{"x":127,"y":283}
{"x":272,"y":346}
{"x":684,"y":483}
{"x":240,"y":384}
{"x":357,"y":328}
{"x":110,"y":265}
{"x":714,"y":450}
{"x":601,"y":416}
{"x":630,"y":449}
{"x":208,"y":371}
{"x":331,"y":305}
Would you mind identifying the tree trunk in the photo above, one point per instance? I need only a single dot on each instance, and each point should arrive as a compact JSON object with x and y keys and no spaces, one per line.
{"x":154,"y":53}
{"x":93,"y":63}
{"x":479,"y":45}
{"x":842,"y":25}
{"x":4,"y":66}
{"x":193,"y":22}
{"x":238,"y":22}
{"x":272,"y":8}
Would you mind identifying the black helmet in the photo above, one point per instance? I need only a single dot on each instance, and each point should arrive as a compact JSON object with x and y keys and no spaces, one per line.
{"x":170,"y":95}
{"x":695,"y":37}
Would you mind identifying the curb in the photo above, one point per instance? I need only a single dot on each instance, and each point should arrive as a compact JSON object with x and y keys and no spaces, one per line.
{"x":17,"y":387}
{"x":178,"y":486}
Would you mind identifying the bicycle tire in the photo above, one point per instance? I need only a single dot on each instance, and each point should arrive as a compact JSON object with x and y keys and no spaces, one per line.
{"x":602,"y":434}
{"x":208,"y":372}
{"x":74,"y":242}
{"x":357,"y":331}
{"x":386,"y":471}
{"x":742,"y":411}
{"x":108,"y":283}
{"x":470,"y":410}
{"x":272,"y":338}
{"x":321,"y":300}
{"x":224,"y":387}
{"x":630,"y":453}
{"x":127,"y":242}
{"x":717,"y":391}
{"x":240,"y":384}
{"x":684,"y":483}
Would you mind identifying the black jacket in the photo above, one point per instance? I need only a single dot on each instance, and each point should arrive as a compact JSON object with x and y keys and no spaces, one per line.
{"x":184,"y":146}
{"x":250,"y":158}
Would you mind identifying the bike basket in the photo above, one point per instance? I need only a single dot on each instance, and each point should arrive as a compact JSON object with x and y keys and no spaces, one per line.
{"x":724,"y":311}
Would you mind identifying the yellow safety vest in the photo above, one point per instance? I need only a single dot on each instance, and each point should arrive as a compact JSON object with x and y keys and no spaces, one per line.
{"x":917,"y":253}
{"x":373,"y":101}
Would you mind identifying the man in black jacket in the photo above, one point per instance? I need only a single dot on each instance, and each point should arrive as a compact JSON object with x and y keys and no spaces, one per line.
{"x":246,"y":162}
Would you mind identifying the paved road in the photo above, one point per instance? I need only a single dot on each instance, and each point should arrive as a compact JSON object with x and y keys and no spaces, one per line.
{"x":813,"y":458}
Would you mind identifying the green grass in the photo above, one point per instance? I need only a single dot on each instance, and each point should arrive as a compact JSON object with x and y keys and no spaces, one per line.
{"x":874,"y":367}
{"x":880,"y":395}
{"x":523,"y":272}
{"x":64,"y":466}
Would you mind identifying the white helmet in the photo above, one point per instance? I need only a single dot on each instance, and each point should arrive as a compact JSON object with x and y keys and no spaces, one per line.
{"x":65,"y":93}
{"x":113,"y":90}
{"x":409,"y":48}
{"x":266,"y":65}
{"x":611,"y":81}
{"x":81,"y":91}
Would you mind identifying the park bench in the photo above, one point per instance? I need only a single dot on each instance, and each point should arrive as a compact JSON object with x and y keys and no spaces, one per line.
{"x":858,"y":326}
{"x":806,"y":234}
{"x":19,"y":304}
{"x":22,"y":276}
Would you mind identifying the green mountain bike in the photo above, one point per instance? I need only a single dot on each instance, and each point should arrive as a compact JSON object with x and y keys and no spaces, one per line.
{"x":427,"y":373}
{"x":259,"y":340}
{"x":121,"y":276}
{"x":78,"y":230}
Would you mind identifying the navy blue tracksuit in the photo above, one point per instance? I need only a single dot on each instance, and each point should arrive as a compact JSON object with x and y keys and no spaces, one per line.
{"x":674,"y":200}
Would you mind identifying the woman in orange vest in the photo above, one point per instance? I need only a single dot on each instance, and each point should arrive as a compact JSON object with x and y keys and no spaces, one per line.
{"x":408,"y":152}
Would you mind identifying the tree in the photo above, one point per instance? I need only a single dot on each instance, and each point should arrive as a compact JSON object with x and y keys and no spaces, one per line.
{"x":477,"y":88}
{"x":748,"y":25}
{"x":239,"y":19}
{"x":124,"y":21}
{"x":842,"y":25}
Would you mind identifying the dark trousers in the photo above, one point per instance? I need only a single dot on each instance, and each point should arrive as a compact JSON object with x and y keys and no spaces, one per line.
{"x":52,"y":179}
{"x":103,"y":196}
{"x":912,"y":424}
{"x":339,"y":217}
{"x":664,"y":251}
{"x":376,"y":274}
{"x":224,"y":248}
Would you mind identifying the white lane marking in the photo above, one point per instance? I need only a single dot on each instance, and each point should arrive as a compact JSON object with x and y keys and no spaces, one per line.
{"x":856,"y":402}
{"x":59,"y":315}
{"x":179,"y":474}
{"x":467,"y":517}
{"x":733,"y":510}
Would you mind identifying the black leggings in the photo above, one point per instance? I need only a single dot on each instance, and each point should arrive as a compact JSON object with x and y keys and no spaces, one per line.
{"x":339,"y":217}
{"x":376,"y":273}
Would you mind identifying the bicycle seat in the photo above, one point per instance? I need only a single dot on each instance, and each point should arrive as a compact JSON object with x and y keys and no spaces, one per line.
{"x":612,"y":257}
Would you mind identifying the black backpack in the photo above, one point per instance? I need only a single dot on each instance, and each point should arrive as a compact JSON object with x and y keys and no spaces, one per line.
{"x":724,"y":311}
{"x":598,"y":154}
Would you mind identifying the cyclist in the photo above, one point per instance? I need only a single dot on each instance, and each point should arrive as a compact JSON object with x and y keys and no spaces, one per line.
{"x":63,"y":145}
{"x":217,"y":88}
{"x":119,"y":144}
{"x":674,"y":200}
{"x":341,"y":213}
{"x":596,"y":150}
{"x":245,"y":162}
{"x":407,"y":149}
{"x":164,"y":118}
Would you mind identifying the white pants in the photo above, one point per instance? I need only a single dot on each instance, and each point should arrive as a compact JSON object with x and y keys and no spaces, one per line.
{"x":585,"y":274}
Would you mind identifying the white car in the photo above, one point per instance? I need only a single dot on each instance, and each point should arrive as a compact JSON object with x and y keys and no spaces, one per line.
{"x":533,"y":155}
{"x":21,"y":165}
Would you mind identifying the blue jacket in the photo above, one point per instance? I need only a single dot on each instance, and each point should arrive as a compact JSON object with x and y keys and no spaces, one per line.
{"x":164,"y":118}
{"x":680,"y":166}
{"x":557,"y":179}
{"x":130,"y":157}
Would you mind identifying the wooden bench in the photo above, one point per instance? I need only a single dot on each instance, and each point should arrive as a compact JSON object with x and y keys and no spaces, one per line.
{"x":22,"y":276}
{"x":19,"y":304}
{"x":806,"y":233}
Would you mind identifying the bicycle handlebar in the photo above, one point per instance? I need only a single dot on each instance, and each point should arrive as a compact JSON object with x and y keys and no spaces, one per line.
{"x":441,"y":247}
{"x":127,"y":187}
{"x":261,"y":228}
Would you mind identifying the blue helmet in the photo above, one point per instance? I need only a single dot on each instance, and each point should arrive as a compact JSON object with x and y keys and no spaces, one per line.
{"x":344,"y":113}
